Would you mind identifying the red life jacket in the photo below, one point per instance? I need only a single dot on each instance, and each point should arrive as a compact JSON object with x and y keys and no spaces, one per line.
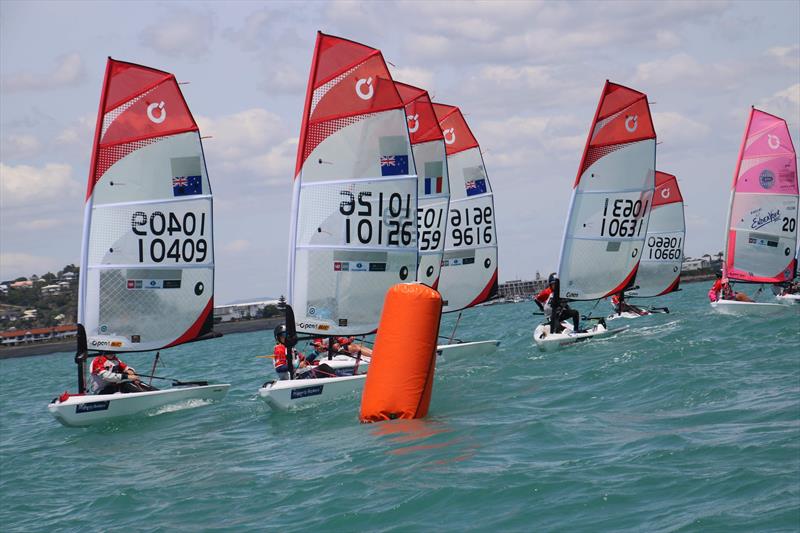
{"x":280,"y":355}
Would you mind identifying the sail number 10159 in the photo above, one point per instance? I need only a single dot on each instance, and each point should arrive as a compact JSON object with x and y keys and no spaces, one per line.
{"x":626,"y":218}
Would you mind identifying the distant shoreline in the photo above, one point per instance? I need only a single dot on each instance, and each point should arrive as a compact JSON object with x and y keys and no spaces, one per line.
{"x":226,"y":328}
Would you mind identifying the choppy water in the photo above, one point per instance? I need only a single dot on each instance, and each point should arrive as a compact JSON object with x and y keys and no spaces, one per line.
{"x":688,"y":421}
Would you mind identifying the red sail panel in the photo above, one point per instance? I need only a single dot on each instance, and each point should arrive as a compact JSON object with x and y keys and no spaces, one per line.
{"x":347,"y":80}
{"x":138,"y":105}
{"x":622,"y":117}
{"x":422,"y":123}
{"x":457,"y":135}
{"x":667,"y":190}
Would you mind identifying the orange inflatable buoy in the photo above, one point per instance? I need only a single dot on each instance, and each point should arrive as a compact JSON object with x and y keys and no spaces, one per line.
{"x":400,"y":376}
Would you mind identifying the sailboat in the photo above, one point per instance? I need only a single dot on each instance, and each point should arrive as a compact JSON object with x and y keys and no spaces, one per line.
{"x":659,"y":271}
{"x":469,"y":262}
{"x":147,"y":258}
{"x":354,"y":209}
{"x":609,"y":210}
{"x":761,"y":230}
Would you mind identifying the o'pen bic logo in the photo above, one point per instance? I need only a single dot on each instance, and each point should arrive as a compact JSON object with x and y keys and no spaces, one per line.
{"x":370,"y":89}
{"x":162,"y":113}
{"x":415,"y":120}
{"x":773,"y":141}
{"x":450,"y":135}
{"x":631,"y":123}
{"x":665,"y":193}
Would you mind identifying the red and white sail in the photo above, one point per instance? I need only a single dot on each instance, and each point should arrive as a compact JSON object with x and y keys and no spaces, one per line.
{"x":659,"y":270}
{"x":761,"y":236}
{"x":469,"y":262}
{"x":147,"y":263}
{"x":427,"y":143}
{"x":353,"y":232}
{"x":611,"y":198}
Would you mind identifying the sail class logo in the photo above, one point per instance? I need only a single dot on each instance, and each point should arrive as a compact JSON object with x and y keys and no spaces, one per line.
{"x":162,"y":112}
{"x":415,"y":120}
{"x":773,"y":141}
{"x":665,"y":192}
{"x":449,"y":135}
{"x":370,"y":92}
{"x":631,"y":123}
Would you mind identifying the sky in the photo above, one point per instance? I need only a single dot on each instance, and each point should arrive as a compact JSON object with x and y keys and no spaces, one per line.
{"x":527,"y":75}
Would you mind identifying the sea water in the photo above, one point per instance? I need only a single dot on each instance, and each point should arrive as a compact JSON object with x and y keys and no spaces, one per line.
{"x":688,"y":421}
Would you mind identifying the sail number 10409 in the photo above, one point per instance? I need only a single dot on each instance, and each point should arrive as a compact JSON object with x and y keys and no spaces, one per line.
{"x":626,"y":218}
{"x":170,"y":237}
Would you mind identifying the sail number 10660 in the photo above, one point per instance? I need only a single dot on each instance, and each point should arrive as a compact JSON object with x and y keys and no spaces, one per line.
{"x":625,"y":219}
{"x":175,"y":237}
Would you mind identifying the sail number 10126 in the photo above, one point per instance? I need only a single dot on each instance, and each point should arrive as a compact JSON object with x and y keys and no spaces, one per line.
{"x":625,"y":218}
{"x":381,"y":219}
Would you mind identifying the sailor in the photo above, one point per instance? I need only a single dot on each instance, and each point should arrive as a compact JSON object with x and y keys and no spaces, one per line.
{"x":279,"y":353}
{"x":562,"y":310}
{"x":621,"y":306}
{"x":110,"y":375}
{"x":714,"y":291}
{"x":342,"y":345}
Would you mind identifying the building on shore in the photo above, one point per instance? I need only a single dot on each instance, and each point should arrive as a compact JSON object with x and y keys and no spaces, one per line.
{"x":241,"y":311}
{"x":518,"y":288}
{"x":20,"y":336}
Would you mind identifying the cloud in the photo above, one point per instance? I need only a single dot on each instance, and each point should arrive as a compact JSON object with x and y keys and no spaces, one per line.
{"x":79,"y":133}
{"x":255,"y":141}
{"x":69,"y":71}
{"x":183,"y":33}
{"x":788,"y":56}
{"x":24,"y":185}
{"x":14,"y":265}
{"x":419,"y":77}
{"x":19,"y":146}
{"x":785,"y":104}
{"x":674,"y":128}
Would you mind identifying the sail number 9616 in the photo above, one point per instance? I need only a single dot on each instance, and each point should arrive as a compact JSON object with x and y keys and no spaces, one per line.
{"x":175,"y":237}
{"x":471,"y":226}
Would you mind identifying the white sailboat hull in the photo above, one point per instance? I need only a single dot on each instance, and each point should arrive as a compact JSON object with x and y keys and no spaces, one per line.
{"x":289,"y":394}
{"x":788,"y":298}
{"x":468,"y":349}
{"x":737,"y":308}
{"x":80,"y":411}
{"x":549,"y":342}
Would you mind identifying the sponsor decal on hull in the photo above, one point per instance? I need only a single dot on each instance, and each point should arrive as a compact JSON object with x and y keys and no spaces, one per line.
{"x":307,"y":391}
{"x":92,"y":407}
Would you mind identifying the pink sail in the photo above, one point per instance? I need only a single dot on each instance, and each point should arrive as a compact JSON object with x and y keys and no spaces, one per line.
{"x":761,"y":235}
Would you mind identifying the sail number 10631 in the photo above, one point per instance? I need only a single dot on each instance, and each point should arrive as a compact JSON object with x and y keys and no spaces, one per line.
{"x":625,"y":219}
{"x":173,"y":237}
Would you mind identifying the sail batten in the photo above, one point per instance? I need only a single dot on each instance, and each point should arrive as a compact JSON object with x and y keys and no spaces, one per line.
{"x":761,"y":232}
{"x":147,"y":277}
{"x":353,"y":228}
{"x":611,"y":198}
{"x":469,"y":260}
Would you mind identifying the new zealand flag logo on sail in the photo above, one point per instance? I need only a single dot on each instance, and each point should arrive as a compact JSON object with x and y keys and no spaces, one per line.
{"x":474,"y":187}
{"x":187,"y":185}
{"x":394,"y":165}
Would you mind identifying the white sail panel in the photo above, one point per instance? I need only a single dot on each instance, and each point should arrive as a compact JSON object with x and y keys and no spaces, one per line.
{"x":354,"y":212}
{"x":469,"y":262}
{"x":610,"y":207}
{"x":147,"y":275}
{"x":434,"y":196}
